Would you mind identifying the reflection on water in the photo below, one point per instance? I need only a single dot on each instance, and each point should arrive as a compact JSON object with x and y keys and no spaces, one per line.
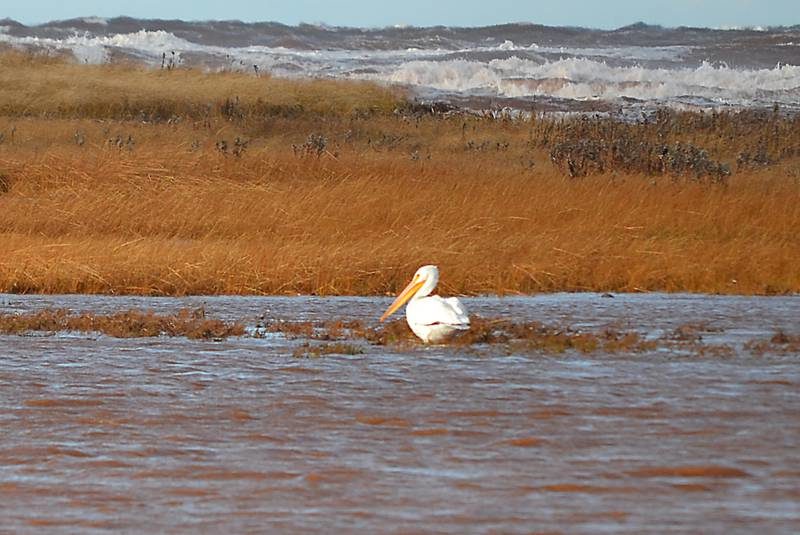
{"x":163,"y":434}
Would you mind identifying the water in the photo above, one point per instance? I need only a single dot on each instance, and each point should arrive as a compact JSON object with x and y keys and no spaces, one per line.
{"x":166,"y":434}
{"x":516,"y":65}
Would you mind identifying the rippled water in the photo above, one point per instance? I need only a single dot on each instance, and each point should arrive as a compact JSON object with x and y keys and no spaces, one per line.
{"x":167,"y":434}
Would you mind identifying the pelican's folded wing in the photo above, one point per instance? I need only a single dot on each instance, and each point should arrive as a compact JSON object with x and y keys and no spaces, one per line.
{"x":436,"y":310}
{"x":459,"y":310}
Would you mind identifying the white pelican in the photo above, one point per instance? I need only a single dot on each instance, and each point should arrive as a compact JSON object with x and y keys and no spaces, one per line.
{"x":432,"y":318}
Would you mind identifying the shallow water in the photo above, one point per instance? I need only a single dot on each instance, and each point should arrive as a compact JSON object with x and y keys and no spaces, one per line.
{"x":168,"y":434}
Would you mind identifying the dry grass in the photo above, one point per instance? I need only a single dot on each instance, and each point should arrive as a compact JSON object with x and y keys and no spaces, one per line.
{"x":245,"y":185}
{"x":40,"y":85}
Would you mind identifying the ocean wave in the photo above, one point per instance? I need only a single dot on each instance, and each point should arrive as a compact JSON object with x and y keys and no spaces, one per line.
{"x":581,"y":78}
{"x":629,"y":53}
{"x":94,"y":49}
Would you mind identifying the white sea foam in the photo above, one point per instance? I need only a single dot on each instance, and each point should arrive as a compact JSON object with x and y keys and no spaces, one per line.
{"x":507,"y":45}
{"x":580,"y":78}
{"x":734,"y":28}
{"x":94,"y":49}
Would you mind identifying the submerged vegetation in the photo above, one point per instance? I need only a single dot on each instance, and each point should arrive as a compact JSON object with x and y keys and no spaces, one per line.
{"x":129,"y":324}
{"x":313,"y":339}
{"x":516,"y":336}
{"x":780,"y":342}
{"x":119,"y":179}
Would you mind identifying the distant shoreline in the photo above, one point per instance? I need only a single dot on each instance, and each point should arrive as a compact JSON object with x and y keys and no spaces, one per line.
{"x":638,"y":25}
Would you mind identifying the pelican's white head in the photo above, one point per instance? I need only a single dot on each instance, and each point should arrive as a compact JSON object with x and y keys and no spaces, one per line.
{"x":430,"y":274}
{"x":423,"y":283}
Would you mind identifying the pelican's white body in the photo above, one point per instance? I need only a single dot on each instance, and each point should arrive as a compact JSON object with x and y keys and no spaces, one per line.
{"x":432,"y":318}
{"x":435,"y":319}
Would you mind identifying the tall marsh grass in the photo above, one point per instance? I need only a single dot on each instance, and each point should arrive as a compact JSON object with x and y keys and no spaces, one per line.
{"x":246,"y":185}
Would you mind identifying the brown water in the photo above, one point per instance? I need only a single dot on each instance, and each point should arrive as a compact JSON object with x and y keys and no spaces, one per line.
{"x":170,"y":435}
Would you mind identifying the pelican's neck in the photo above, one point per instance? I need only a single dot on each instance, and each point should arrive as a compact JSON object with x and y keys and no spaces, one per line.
{"x":430,"y":285}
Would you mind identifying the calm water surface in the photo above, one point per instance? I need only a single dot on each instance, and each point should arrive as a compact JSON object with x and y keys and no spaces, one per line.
{"x":172,"y":435}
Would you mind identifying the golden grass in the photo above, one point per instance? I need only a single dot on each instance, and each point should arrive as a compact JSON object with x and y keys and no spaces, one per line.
{"x":35,"y":85}
{"x":343,"y":196}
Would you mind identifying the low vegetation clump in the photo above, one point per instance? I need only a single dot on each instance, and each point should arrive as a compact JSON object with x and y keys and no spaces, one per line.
{"x":695,"y":145}
{"x":394,"y":332}
{"x":121,"y":180}
{"x":318,"y":350}
{"x":586,"y":156}
{"x":780,"y":343}
{"x":128,"y":324}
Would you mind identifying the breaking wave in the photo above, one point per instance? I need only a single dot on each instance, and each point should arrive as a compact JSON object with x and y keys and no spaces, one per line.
{"x":581,"y":78}
{"x":95,"y":49}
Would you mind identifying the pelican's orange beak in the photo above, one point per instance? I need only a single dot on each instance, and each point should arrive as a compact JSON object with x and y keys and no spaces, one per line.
{"x":407,"y":293}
